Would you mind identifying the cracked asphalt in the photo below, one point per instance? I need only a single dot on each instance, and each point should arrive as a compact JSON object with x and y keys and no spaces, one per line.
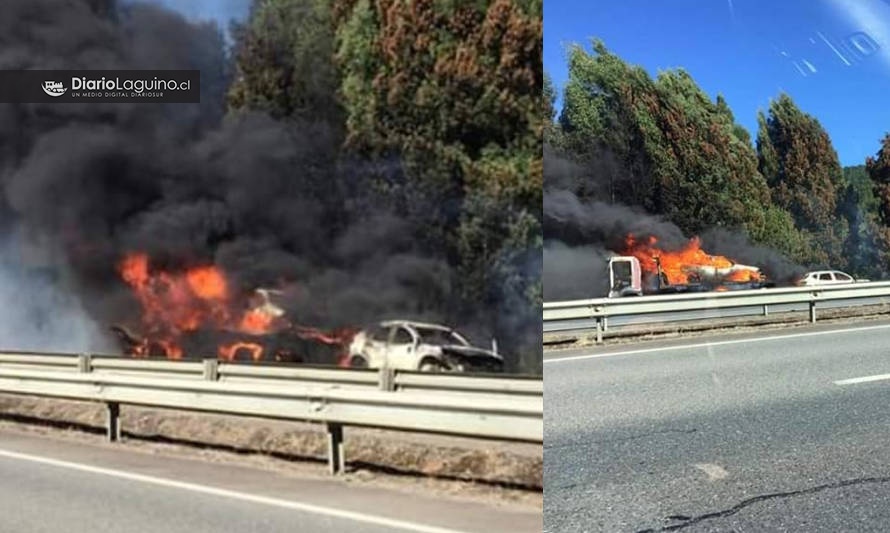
{"x":752,"y":435}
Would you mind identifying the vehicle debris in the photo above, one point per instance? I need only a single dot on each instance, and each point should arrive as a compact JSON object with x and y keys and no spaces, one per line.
{"x":644,"y":268}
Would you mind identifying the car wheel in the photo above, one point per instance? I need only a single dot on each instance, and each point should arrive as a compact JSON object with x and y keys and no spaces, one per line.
{"x":430,"y":365}
{"x":358,"y":362}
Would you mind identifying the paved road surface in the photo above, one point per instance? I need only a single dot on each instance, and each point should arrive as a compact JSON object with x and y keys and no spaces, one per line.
{"x":54,"y":485}
{"x":755,"y":433}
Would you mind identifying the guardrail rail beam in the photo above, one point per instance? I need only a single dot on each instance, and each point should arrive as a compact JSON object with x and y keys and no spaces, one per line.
{"x":480,"y":406}
{"x":594,"y":314}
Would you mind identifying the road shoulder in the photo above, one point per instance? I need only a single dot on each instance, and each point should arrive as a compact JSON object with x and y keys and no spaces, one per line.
{"x":271,"y":479}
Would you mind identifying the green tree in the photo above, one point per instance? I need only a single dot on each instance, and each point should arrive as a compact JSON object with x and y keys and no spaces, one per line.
{"x":804,"y":175}
{"x":551,"y":130}
{"x":663,"y":144}
{"x":285,"y":67}
{"x":709,"y":176}
{"x":682,"y":154}
{"x":466,"y":122}
{"x":284,"y":60}
{"x":859,"y":207}
{"x":878,"y":168}
{"x":549,"y":99}
{"x":608,"y":107}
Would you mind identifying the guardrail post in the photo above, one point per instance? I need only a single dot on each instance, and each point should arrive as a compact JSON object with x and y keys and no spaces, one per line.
{"x":336,"y":462}
{"x":386,"y":379}
{"x":211,"y":370}
{"x":765,"y":310}
{"x":599,"y":330}
{"x":112,"y":421}
{"x":605,"y":323}
{"x":813,"y":311}
{"x":84,"y":363}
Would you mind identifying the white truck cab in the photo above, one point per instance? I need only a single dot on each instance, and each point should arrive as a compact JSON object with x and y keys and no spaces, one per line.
{"x":625,"y":276}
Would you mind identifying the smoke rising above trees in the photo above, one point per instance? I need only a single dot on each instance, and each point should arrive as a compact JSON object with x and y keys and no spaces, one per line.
{"x":257,"y":179}
{"x":628,"y":150}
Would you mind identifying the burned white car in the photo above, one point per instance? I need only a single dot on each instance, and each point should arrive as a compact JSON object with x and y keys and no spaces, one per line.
{"x":405,"y":345}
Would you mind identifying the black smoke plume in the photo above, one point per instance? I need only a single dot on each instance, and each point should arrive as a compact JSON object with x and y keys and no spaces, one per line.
{"x":271,"y":202}
{"x":581,"y":234}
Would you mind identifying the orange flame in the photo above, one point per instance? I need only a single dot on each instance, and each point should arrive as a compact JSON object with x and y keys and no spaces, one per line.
{"x":227,"y":352}
{"x":172,"y":350}
{"x":256,"y":322}
{"x":341,"y":337}
{"x":174,"y":304}
{"x":689,"y":263}
{"x":207,"y":283}
{"x":134,"y":269}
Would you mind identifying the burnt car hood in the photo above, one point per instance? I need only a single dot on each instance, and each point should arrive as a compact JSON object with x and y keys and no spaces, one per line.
{"x":469,"y":351}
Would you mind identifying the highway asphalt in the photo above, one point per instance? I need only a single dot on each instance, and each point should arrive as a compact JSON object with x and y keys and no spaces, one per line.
{"x":757,"y":432}
{"x":56,"y":485}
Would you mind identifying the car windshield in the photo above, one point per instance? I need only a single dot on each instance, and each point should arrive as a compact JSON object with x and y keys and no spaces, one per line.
{"x":438,"y":336}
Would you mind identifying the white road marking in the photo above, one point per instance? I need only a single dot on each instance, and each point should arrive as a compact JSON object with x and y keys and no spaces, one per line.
{"x":713,"y":471}
{"x":235,"y":495}
{"x":865,"y":379}
{"x":718,"y":343}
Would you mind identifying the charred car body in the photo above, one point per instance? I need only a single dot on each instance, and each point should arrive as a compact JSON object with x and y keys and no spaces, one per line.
{"x":264,"y":334}
{"x":286,"y":346}
{"x":407,"y":345}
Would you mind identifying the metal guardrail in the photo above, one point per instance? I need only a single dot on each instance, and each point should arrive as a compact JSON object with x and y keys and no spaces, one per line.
{"x":509,"y":387}
{"x":503,"y":408}
{"x":600,"y":309}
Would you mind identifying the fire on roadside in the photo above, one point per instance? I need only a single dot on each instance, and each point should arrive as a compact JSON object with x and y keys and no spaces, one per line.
{"x":175,"y":304}
{"x":684,"y":265}
{"x":228,"y":352}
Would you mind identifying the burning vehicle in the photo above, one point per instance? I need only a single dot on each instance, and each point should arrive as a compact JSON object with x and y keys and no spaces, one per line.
{"x":406,"y":345}
{"x":196,"y":314}
{"x":643,"y":268}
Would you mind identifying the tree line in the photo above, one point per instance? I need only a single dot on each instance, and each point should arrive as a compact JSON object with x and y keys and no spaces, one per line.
{"x":663,"y":144}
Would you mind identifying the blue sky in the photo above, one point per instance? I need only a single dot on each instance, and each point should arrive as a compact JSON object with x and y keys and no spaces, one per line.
{"x":219,"y":11}
{"x":831,"y":56}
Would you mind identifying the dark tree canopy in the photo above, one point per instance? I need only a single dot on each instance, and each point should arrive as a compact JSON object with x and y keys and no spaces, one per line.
{"x":803,"y":172}
{"x":440,"y":105}
{"x":284,"y":61}
{"x":467,"y":123}
{"x":878,"y":168}
{"x":664,"y":145}
{"x":679,"y":153}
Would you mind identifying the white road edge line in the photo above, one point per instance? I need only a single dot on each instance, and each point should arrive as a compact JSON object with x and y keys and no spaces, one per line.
{"x":718,"y":343}
{"x":865,"y":379}
{"x":235,"y":495}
